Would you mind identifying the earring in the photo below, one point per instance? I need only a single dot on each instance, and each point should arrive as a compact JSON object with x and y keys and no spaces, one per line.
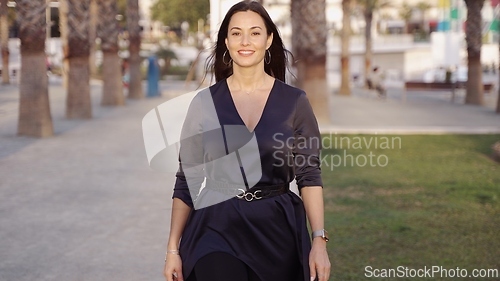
{"x":230,"y":60}
{"x":265,"y":57}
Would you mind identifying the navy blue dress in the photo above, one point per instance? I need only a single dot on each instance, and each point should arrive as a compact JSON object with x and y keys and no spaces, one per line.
{"x":269,"y":235}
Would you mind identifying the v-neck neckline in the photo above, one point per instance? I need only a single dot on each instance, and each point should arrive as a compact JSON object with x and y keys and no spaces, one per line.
{"x":263,"y":109}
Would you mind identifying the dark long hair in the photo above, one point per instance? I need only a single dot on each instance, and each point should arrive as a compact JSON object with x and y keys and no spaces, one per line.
{"x":279,"y":60}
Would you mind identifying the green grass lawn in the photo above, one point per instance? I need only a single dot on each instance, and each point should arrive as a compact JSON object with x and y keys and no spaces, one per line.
{"x":430,"y":201}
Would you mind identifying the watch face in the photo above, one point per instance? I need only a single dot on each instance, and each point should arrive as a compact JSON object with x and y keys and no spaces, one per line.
{"x":325,"y":235}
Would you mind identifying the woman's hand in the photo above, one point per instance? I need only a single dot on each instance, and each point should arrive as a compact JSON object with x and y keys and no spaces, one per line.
{"x":319,"y":263}
{"x":173,"y":268}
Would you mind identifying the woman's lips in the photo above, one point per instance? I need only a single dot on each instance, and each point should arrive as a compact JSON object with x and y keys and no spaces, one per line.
{"x":245,"y":53}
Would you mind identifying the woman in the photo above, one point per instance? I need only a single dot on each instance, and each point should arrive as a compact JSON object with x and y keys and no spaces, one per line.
{"x":248,"y":136}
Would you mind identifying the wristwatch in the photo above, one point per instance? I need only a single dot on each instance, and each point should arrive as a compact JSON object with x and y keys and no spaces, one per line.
{"x":320,"y":233}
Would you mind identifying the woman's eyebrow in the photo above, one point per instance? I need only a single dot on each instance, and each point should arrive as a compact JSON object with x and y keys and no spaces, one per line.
{"x":253,"y":27}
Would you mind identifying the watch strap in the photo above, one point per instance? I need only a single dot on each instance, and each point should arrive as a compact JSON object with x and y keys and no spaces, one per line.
{"x":320,"y":233}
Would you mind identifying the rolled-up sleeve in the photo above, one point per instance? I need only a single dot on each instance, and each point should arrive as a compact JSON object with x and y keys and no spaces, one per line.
{"x":190,"y":175}
{"x":307,"y":145}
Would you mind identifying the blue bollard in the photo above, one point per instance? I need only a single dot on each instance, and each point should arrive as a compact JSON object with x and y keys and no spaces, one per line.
{"x":153,"y":77}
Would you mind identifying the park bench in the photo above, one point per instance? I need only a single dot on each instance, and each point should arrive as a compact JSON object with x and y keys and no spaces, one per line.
{"x":442,"y":86}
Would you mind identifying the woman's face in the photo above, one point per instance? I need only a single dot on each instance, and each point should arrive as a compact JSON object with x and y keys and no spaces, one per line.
{"x":247,"y":39}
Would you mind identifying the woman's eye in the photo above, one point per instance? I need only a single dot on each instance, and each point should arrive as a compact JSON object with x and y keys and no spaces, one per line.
{"x":256,"y":33}
{"x":235,"y":33}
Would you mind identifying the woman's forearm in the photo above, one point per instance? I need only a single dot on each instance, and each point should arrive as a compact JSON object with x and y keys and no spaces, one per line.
{"x":318,"y":258}
{"x":313,"y":203}
{"x":180,"y":214}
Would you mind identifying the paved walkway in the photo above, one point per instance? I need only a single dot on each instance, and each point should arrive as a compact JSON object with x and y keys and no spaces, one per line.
{"x":411,"y":112}
{"x":84,"y":205}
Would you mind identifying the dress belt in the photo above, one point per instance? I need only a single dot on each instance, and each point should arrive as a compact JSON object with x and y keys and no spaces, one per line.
{"x":242,"y":193}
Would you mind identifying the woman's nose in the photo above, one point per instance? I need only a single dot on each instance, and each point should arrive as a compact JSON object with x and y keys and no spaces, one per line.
{"x":245,"y":41}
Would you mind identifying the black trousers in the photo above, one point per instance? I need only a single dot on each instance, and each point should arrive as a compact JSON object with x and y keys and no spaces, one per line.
{"x":222,"y":267}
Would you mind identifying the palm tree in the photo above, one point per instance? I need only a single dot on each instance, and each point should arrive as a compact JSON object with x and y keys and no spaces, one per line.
{"x":94,"y":18}
{"x":498,"y":98}
{"x":369,"y":7}
{"x":75,"y":21}
{"x":4,"y":40}
{"x":34,"y":109}
{"x":309,"y":46}
{"x":345,"y":88}
{"x":134,"y":32}
{"x":473,"y":37}
{"x":107,"y":30}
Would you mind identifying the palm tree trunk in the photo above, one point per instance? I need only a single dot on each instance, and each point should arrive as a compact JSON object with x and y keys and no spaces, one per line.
{"x":112,"y":90}
{"x":368,"y":44}
{"x":63,"y":28}
{"x":498,"y":98}
{"x":94,"y":10}
{"x":34,"y":108}
{"x":473,"y":37}
{"x":345,"y":88}
{"x":135,"y":84}
{"x":309,"y":46}
{"x":4,"y":41}
{"x":76,"y":52}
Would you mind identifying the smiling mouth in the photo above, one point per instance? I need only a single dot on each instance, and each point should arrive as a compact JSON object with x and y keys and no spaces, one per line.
{"x":245,"y":53}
